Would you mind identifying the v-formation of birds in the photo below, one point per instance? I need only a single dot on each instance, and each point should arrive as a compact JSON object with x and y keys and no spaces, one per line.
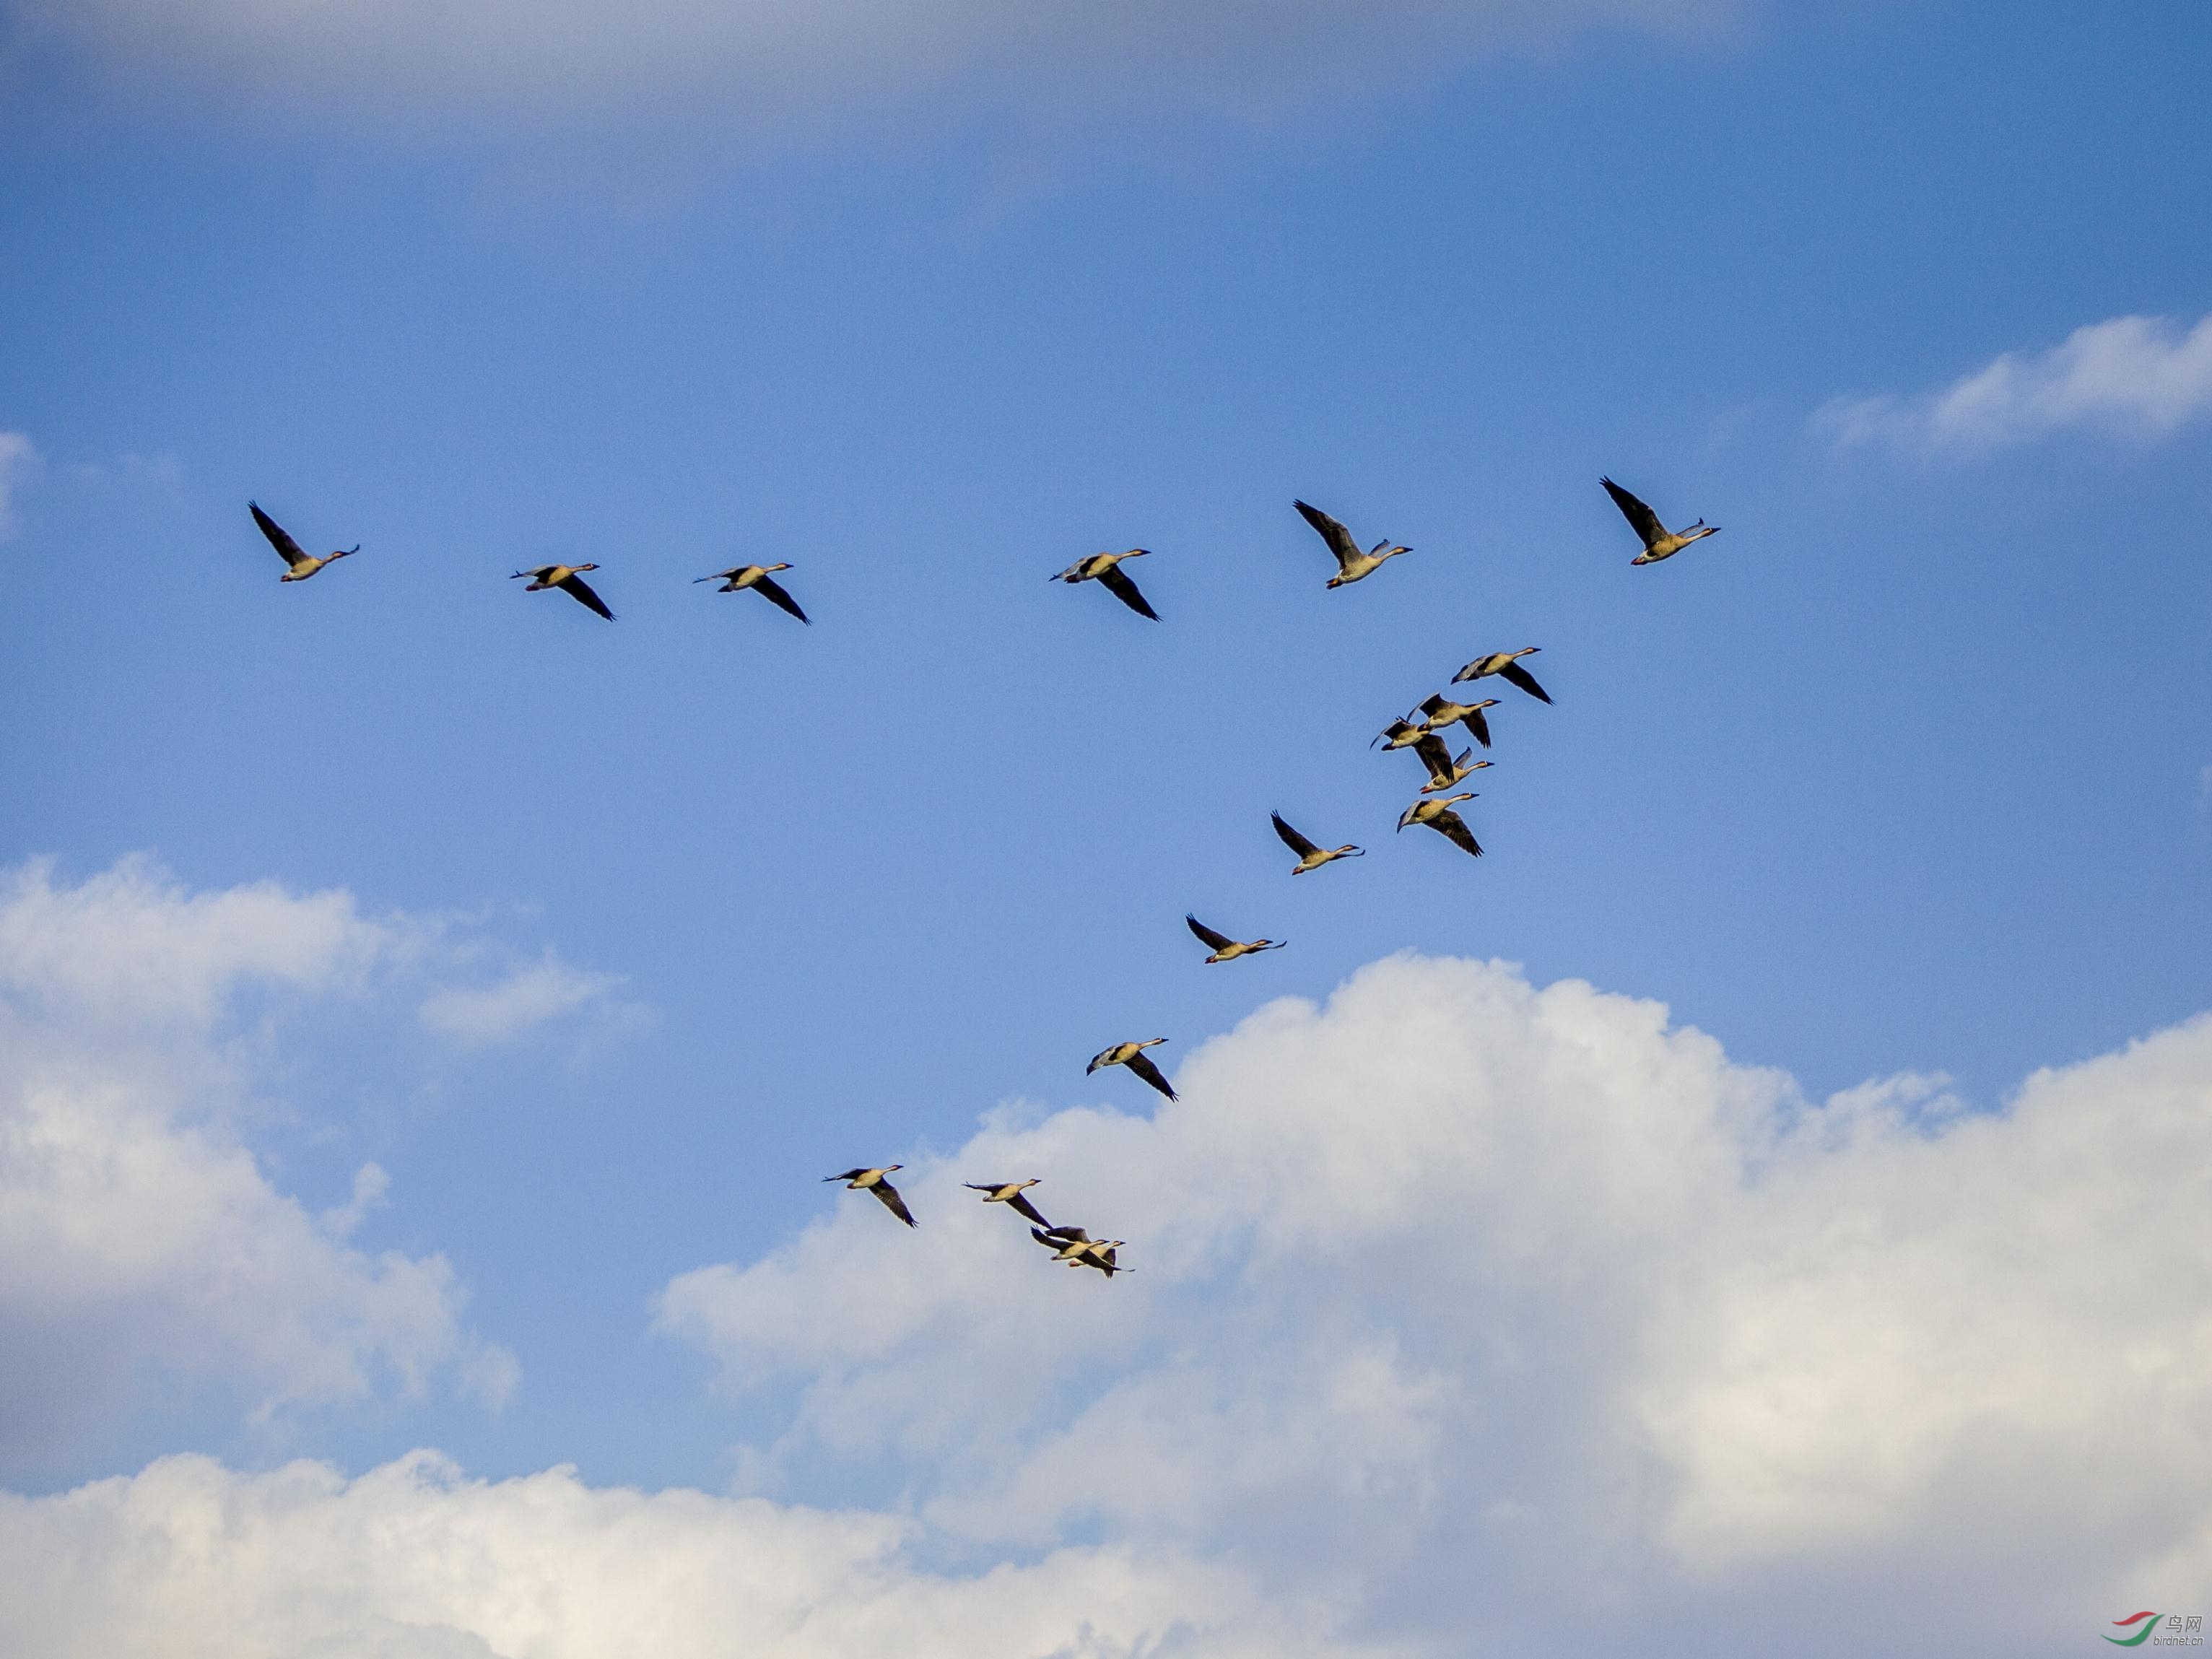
{"x":1424,"y":735}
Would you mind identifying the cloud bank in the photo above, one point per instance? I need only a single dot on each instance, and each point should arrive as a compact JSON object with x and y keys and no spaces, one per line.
{"x":758,"y":75}
{"x":2141,"y":378}
{"x":1468,"y":1316}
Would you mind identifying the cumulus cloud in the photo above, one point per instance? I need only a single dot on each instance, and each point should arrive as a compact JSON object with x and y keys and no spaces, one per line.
{"x":141,"y":1243}
{"x":1466,"y":1316}
{"x":760,"y":74}
{"x":2138,"y":377}
{"x":19,"y":463}
{"x":1459,"y":1300}
{"x":411,"y":1561}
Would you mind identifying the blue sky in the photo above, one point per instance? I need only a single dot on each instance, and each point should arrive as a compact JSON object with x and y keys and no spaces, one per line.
{"x":1905,"y":772}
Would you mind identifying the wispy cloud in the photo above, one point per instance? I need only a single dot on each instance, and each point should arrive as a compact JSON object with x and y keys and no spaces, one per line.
{"x":529,"y":995}
{"x":2135,"y":377}
{"x":19,"y":463}
{"x":764,"y":74}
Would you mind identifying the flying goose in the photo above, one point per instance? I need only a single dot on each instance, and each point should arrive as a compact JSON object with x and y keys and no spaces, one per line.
{"x":1101,"y":1256}
{"x":1462,"y":770}
{"x":1132,"y":1054}
{"x":566,"y":577}
{"x":1351,"y":563}
{"x":1078,"y":1249}
{"x":1226,"y":949}
{"x":1312,"y":857}
{"x":873,"y":1181}
{"x":299,"y":566}
{"x":757,"y":577}
{"x":1105,"y":568}
{"x":1443,"y":712}
{"x":1502,"y":663}
{"x":1433,"y":752}
{"x":1008,"y":1193}
{"x":1659,"y":542}
{"x":1439,"y":817}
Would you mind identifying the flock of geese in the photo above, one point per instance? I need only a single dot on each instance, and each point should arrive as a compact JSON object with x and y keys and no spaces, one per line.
{"x":1422,"y":730}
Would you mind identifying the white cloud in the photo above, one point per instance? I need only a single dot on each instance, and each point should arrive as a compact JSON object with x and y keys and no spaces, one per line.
{"x":2139,"y":377}
{"x":143,"y":1247}
{"x":18,"y":465}
{"x":1459,"y":1300}
{"x":763,"y":75}
{"x":530,"y":994}
{"x":1465,"y":1316}
{"x":411,"y":1561}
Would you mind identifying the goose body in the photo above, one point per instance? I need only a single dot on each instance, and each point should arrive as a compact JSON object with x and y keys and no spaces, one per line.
{"x":761,"y":579}
{"x":876,"y":1182}
{"x":1505,"y":666}
{"x":1133,"y":1055}
{"x":1311,"y":857}
{"x":1439,"y":816}
{"x":1008,"y":1193}
{"x":569,"y":579}
{"x":1659,"y":542}
{"x":1441,"y":712}
{"x":1226,"y":949}
{"x":1459,"y":771}
{"x":1352,"y":564}
{"x":1105,"y":569}
{"x":1078,"y":1249}
{"x":299,"y":563}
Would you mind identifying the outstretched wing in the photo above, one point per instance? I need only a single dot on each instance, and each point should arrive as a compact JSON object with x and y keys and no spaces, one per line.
{"x":1435,"y":754}
{"x":1514,"y":674}
{"x":579,"y":590}
{"x":1143,"y":1066}
{"x":1479,"y":727}
{"x":1452,"y":828}
{"x":1054,"y":1237}
{"x":1021,"y":1205}
{"x":1332,"y":532}
{"x":1430,"y":705}
{"x":278,"y":536}
{"x":1292,"y":839}
{"x":1207,"y":937}
{"x":1115,"y":581}
{"x":892,"y":1201}
{"x":767,"y":588}
{"x":1641,"y":518}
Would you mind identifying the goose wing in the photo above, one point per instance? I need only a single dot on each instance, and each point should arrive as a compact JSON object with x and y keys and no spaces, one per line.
{"x":1116,"y":582}
{"x":718,"y":576}
{"x":1452,"y":828}
{"x":1143,"y":1066}
{"x":279,"y":537}
{"x":1332,"y":532}
{"x":892,"y":1201}
{"x":1054,"y":1237}
{"x":1292,"y":839}
{"x":1641,"y":518}
{"x":1514,"y":674}
{"x":1207,"y":937}
{"x":850,"y":1175}
{"x":1436,"y":755}
{"x":1022,"y":1205}
{"x":1479,"y":727}
{"x":581,"y":590}
{"x":1430,"y":705}
{"x":768,"y":589}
